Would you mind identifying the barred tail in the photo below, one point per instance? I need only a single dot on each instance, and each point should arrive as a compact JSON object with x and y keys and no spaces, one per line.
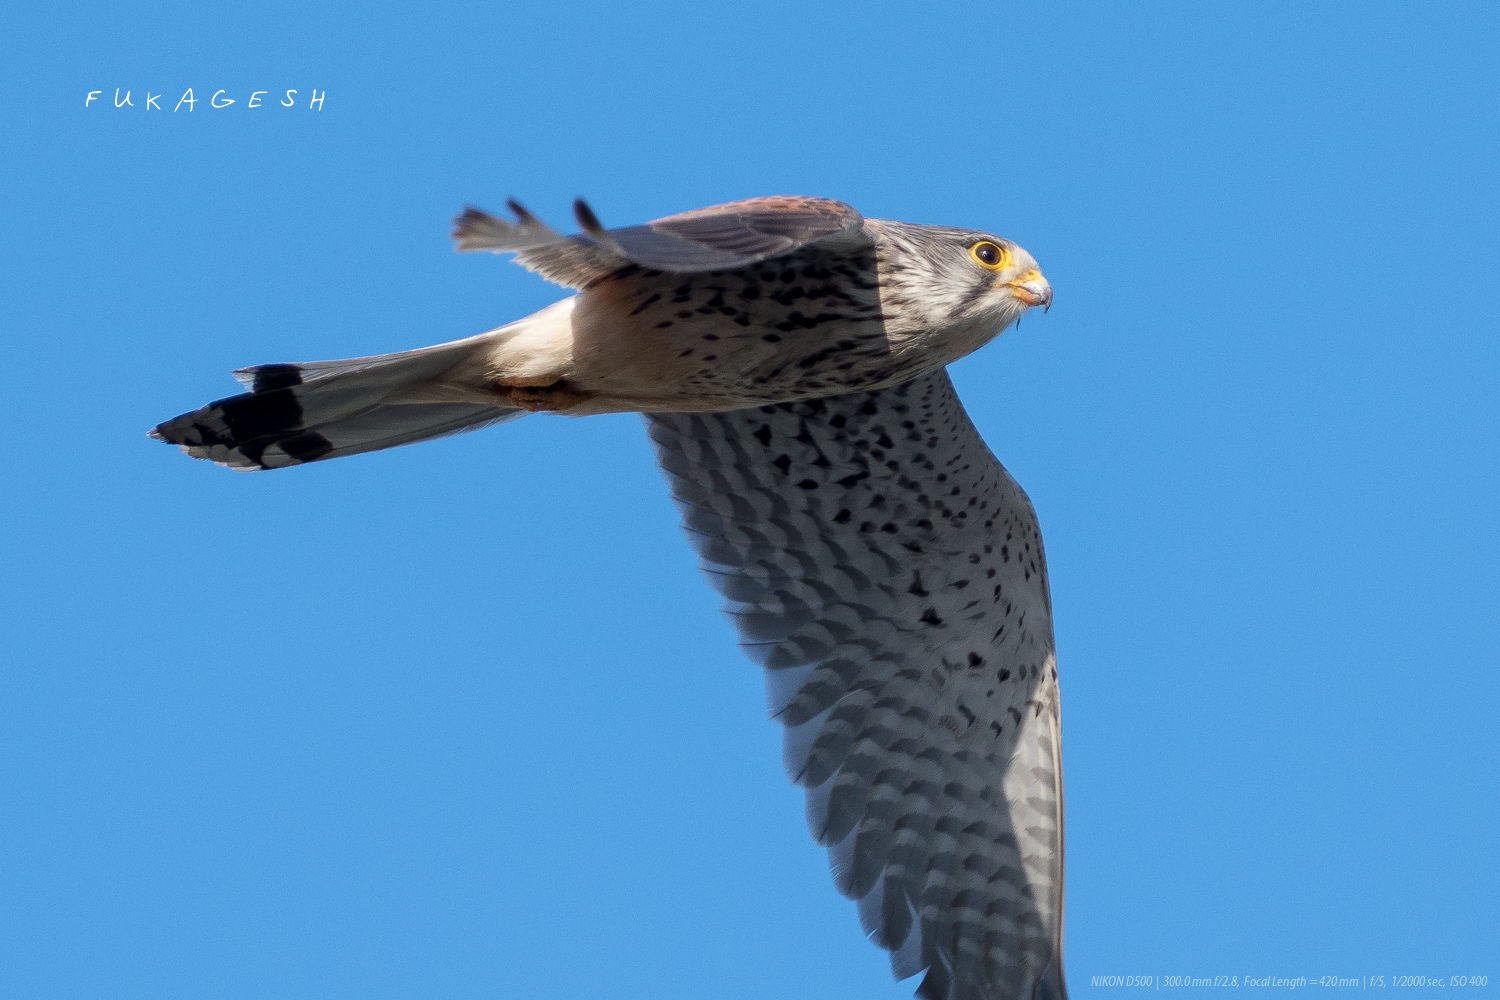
{"x":297,"y":413}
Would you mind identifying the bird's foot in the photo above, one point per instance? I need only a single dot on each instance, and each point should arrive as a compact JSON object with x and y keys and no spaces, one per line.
{"x":555,"y":395}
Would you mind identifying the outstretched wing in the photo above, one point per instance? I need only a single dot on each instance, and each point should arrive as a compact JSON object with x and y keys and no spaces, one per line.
{"x":888,"y":573}
{"x":720,"y":237}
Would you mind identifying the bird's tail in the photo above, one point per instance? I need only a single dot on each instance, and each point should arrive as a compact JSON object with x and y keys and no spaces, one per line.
{"x":295,"y":413}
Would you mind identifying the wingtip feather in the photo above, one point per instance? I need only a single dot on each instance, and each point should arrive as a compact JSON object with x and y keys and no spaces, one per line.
{"x":594,"y":229}
{"x":474,"y":229}
{"x":587,"y":220}
{"x":523,"y":216}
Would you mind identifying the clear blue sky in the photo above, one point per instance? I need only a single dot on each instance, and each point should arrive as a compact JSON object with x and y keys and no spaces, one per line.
{"x":462,"y":720}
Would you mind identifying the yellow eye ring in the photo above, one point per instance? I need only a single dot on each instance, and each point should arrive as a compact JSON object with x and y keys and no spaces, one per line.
{"x":990,"y":256}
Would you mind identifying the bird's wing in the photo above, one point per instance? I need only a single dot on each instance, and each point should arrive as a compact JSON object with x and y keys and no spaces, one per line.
{"x":720,"y":237}
{"x":888,"y":573}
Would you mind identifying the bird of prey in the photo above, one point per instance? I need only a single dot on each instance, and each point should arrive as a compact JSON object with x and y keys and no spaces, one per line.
{"x":879,"y":563}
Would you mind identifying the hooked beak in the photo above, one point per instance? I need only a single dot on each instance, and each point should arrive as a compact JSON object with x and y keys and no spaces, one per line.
{"x":1032,"y":289}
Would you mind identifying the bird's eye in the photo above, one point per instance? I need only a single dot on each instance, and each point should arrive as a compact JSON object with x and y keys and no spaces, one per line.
{"x":989,"y":255}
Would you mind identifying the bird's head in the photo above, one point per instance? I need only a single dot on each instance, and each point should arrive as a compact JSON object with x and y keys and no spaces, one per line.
{"x":943,"y":277}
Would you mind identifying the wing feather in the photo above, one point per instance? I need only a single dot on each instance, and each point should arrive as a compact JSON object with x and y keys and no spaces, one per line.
{"x":720,"y":237}
{"x":890,"y":576}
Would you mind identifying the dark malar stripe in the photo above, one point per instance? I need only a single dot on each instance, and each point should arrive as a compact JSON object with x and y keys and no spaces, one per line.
{"x":973,"y":295}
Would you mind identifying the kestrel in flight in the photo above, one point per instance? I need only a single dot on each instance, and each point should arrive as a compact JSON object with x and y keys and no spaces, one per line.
{"x":879,"y":563}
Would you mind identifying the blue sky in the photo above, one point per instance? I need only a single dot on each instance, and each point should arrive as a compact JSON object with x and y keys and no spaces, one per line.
{"x":462,"y":720}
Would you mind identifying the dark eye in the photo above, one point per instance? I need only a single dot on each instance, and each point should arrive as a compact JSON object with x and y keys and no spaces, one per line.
{"x":989,"y":255}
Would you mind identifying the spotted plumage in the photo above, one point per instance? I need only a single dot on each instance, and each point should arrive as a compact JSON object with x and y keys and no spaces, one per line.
{"x":863,"y":544}
{"x":878,"y":562}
